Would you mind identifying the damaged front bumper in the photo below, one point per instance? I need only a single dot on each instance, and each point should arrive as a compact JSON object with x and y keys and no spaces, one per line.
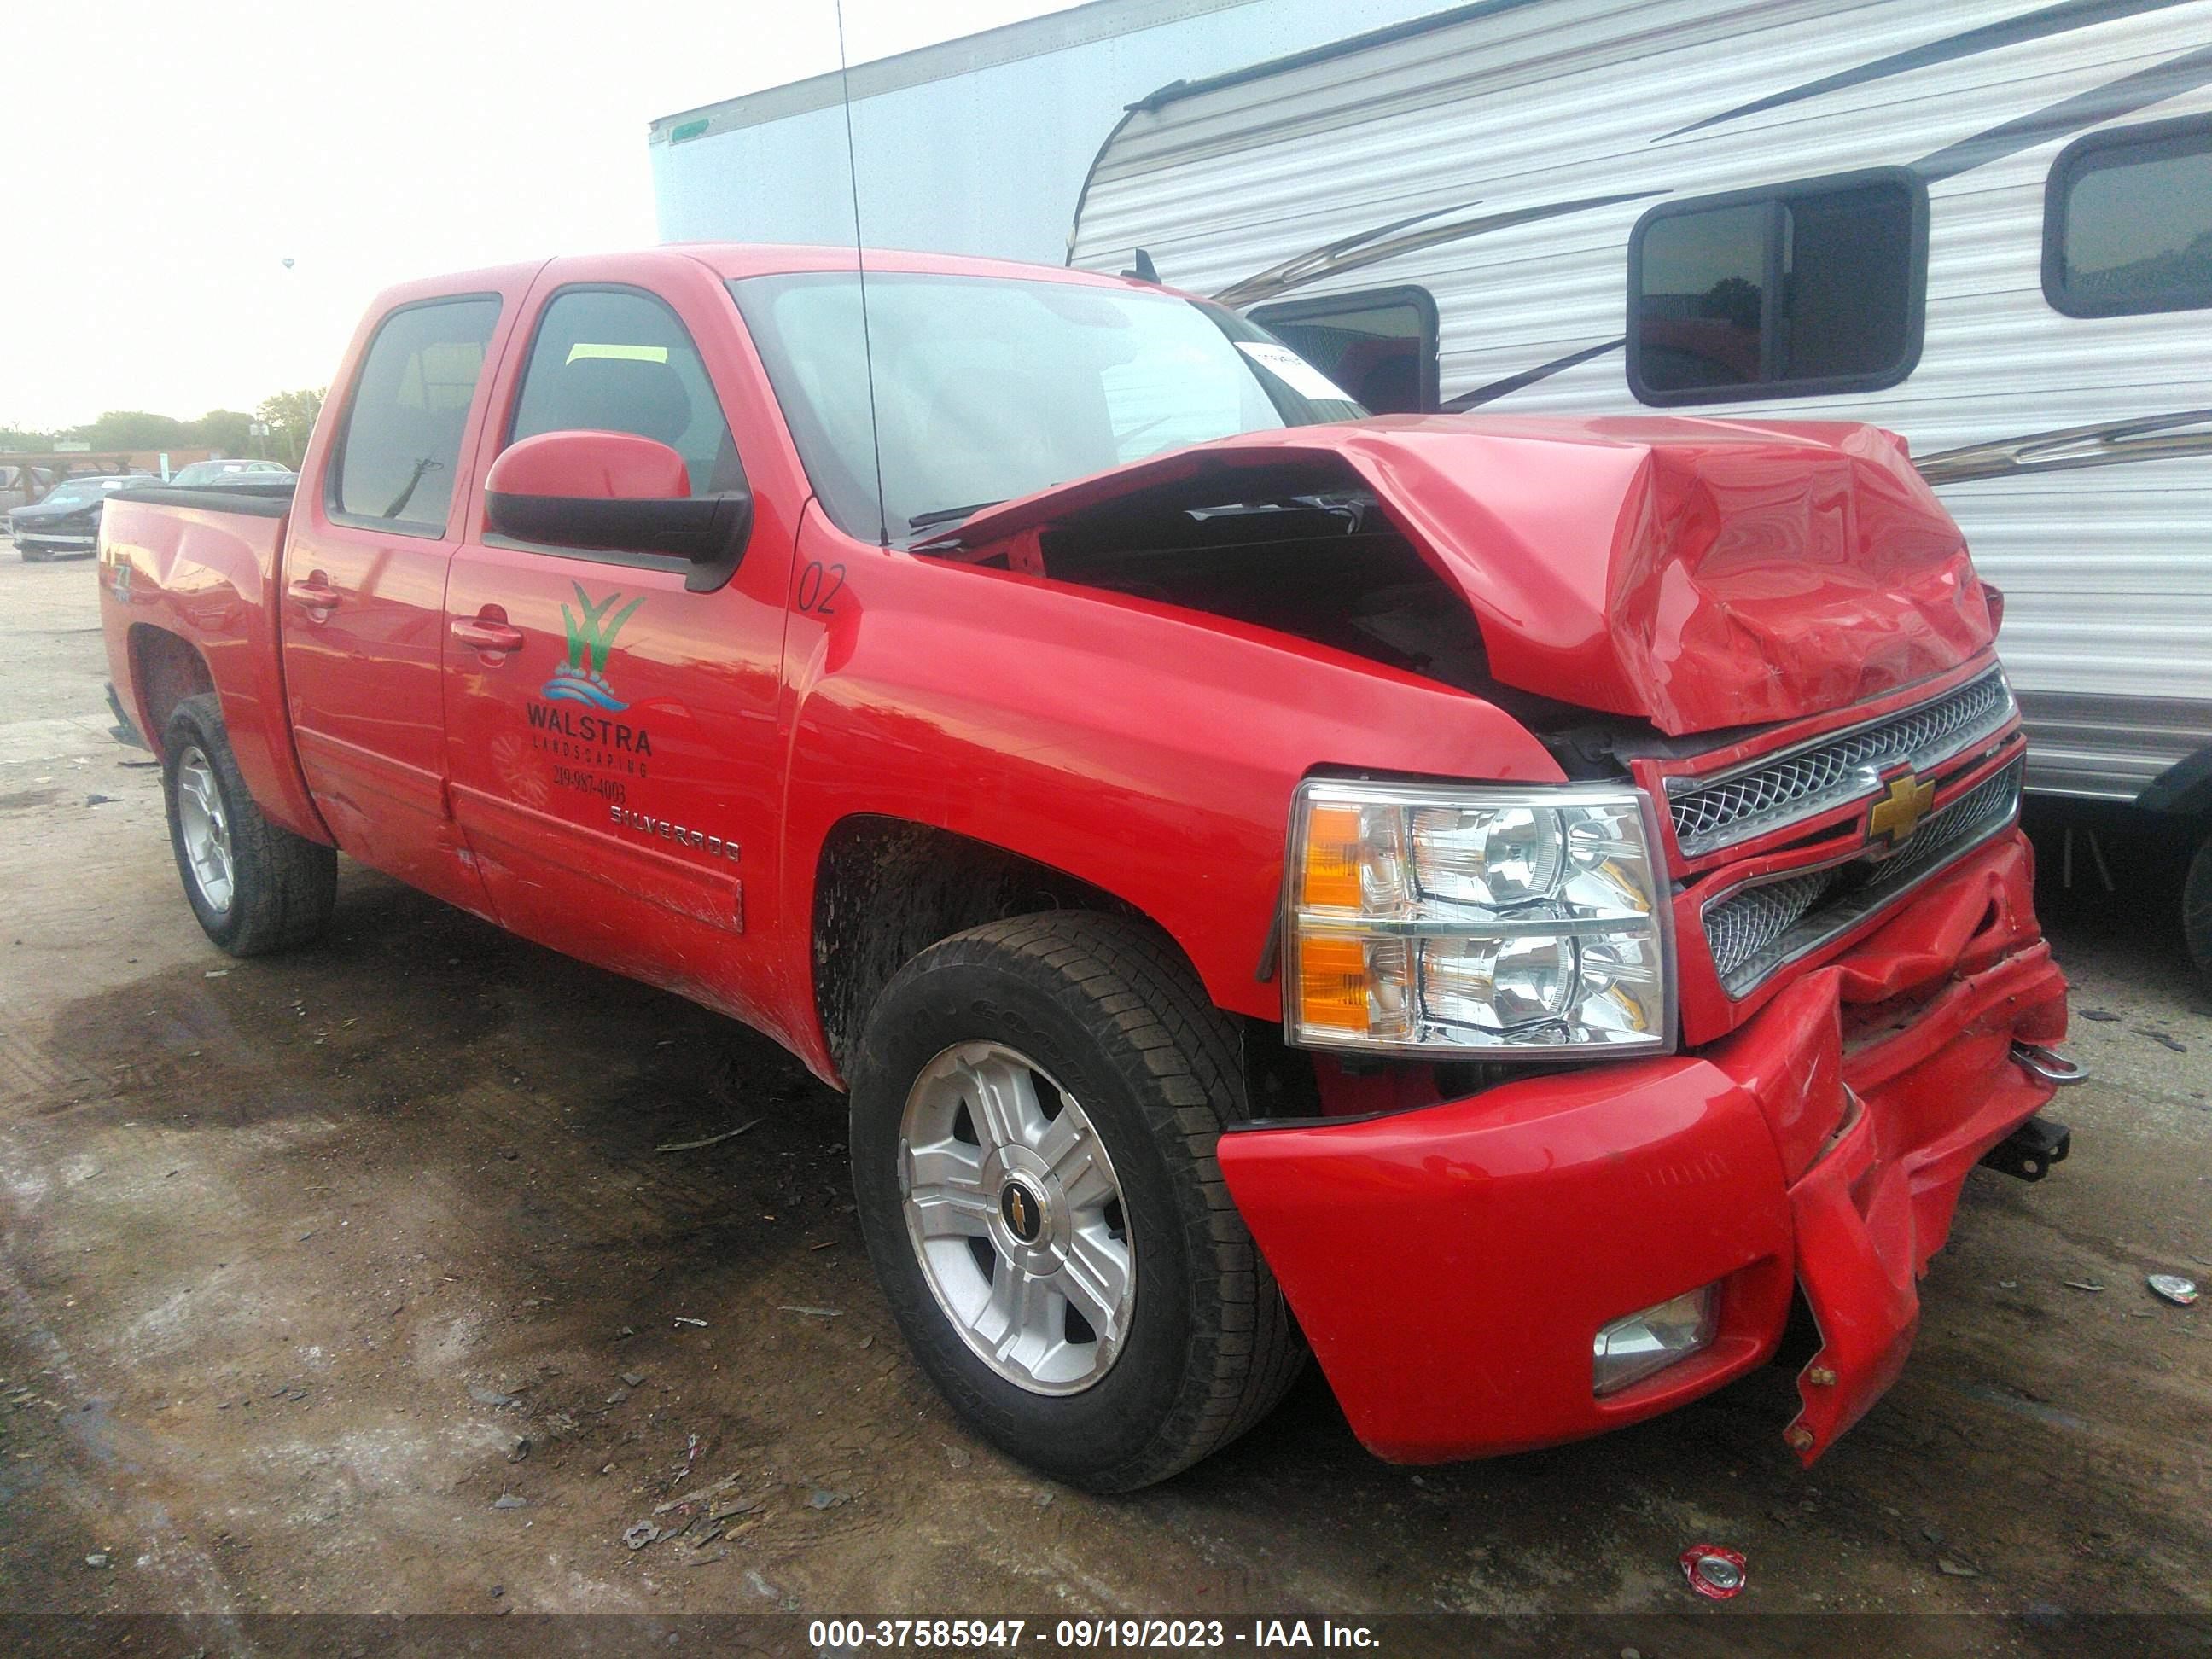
{"x":1452,"y":1265}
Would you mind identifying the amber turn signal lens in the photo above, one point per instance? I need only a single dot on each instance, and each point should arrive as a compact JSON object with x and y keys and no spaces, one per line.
{"x":1331,"y":878}
{"x":1333,"y":983}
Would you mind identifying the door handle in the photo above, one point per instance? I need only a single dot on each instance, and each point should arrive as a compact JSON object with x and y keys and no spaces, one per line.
{"x":313,"y":592}
{"x":485,"y":634}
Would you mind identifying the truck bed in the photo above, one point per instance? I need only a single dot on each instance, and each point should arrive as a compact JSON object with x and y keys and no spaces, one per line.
{"x":203,"y":567}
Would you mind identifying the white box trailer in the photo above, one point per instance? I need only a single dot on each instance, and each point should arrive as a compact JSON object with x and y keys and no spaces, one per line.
{"x":977,"y":145}
{"x":1985,"y":224}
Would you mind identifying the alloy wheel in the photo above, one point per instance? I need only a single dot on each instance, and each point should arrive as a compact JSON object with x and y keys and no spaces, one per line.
{"x":1016,"y":1215}
{"x":206,"y":829}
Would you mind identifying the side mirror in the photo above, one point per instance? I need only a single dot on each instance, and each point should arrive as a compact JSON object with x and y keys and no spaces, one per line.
{"x":615,"y":492}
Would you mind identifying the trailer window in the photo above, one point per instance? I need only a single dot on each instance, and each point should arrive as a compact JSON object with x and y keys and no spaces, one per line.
{"x":411,"y":403}
{"x":1788,"y":292}
{"x":2127,"y":222}
{"x":1380,"y":344}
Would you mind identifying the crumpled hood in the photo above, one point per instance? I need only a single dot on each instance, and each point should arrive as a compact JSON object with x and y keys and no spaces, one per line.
{"x":1699,"y":573}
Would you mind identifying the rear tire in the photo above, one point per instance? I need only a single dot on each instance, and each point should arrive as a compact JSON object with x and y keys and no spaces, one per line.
{"x":32,"y":555}
{"x":255,"y":886}
{"x":1188,"y":1342}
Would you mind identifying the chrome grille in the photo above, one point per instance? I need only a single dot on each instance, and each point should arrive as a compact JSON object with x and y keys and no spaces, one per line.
{"x":1739,"y":927}
{"x":1754,"y":930}
{"x":1778,"y":790}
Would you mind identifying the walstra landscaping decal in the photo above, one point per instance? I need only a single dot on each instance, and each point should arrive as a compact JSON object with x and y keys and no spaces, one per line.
{"x":583,"y":678}
{"x":579,"y":739}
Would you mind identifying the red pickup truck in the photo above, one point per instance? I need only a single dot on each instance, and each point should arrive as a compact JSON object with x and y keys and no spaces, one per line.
{"x":1508,"y":906}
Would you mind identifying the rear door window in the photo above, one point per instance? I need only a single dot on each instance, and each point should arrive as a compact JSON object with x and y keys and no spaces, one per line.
{"x":410,"y":406}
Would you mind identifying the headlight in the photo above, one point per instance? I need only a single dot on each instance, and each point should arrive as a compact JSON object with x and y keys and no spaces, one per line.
{"x":1480,"y":919}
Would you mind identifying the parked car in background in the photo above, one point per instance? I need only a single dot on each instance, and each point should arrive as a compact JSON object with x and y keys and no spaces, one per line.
{"x":202,"y":474}
{"x":21,"y":485}
{"x":67,"y":520}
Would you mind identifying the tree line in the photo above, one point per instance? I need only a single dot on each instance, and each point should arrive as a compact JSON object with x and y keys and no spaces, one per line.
{"x":289,"y":416}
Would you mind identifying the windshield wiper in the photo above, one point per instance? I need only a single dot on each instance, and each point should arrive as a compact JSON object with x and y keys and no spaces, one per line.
{"x":937,"y":515}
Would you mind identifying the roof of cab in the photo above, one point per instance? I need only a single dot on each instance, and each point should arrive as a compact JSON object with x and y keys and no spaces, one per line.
{"x":736,"y":259}
{"x":733,"y":260}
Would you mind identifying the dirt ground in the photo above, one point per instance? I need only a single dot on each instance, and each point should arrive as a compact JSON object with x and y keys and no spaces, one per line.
{"x":361,"y":1280}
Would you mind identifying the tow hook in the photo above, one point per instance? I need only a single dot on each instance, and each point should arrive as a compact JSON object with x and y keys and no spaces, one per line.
{"x":2049,"y":1064}
{"x":2029,"y":1152}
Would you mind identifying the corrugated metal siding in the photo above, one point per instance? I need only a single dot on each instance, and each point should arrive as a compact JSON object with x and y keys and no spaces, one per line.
{"x":2107,"y":573}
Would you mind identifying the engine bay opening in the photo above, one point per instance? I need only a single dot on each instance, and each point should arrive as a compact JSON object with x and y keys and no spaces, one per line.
{"x":1302,"y":550}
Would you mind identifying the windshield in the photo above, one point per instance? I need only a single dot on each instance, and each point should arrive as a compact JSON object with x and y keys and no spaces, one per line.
{"x":987,"y":388}
{"x":201,"y":471}
{"x":80,"y":490}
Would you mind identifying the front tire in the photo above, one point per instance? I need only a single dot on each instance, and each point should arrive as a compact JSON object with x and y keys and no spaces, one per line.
{"x":1035,"y":1105}
{"x":255,"y":886}
{"x":31,"y":555}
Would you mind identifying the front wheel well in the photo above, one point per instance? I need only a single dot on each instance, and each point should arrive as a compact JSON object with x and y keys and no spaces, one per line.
{"x":887,"y":888}
{"x":165,"y":669}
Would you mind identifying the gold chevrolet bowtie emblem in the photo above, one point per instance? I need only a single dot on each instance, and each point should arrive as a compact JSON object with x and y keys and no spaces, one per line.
{"x":1898,"y":814}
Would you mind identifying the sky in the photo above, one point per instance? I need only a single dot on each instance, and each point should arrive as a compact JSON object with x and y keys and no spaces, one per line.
{"x":165,"y":161}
